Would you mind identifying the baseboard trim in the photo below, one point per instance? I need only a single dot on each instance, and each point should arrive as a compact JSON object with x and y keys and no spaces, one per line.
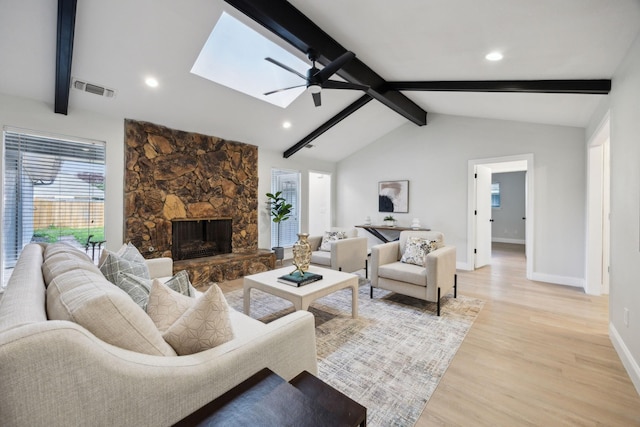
{"x":463,"y":266}
{"x":503,"y":240}
{"x":630,"y":364}
{"x":558,"y":280}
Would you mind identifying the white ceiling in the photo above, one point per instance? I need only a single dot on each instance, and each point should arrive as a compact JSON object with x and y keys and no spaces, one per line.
{"x":120,"y":42}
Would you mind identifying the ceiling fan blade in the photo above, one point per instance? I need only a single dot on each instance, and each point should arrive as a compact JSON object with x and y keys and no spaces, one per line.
{"x":283,"y":89}
{"x":289,"y":69}
{"x":324,"y":74}
{"x":334,"y":84}
{"x":316,"y":99}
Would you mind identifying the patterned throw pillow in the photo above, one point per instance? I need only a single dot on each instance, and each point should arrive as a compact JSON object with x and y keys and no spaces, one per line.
{"x":416,"y":249}
{"x":165,"y":305}
{"x":138,"y":288}
{"x":113,"y":264}
{"x":331,"y":236}
{"x":195,"y":325}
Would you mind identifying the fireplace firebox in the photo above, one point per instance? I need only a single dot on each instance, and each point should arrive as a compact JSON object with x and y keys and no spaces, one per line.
{"x":200,"y":238}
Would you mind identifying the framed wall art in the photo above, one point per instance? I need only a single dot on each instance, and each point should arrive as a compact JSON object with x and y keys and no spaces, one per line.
{"x":393,"y":196}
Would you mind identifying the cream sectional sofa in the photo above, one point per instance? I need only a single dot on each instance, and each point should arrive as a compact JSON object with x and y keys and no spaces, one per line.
{"x":58,"y":373}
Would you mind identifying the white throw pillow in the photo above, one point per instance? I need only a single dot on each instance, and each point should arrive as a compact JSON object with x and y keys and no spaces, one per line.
{"x":203,"y":326}
{"x":331,"y":236}
{"x":196,"y":325}
{"x":165,"y":305}
{"x":416,"y":250}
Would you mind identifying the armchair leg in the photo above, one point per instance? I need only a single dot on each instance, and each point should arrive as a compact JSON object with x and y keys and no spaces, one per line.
{"x":366,"y":268}
{"x":370,"y":291}
{"x":438,"y":303}
{"x":455,"y":286}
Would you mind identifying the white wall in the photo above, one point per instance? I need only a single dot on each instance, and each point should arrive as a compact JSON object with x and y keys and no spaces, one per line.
{"x":434,"y":159}
{"x":625,"y":211}
{"x":38,"y":116}
{"x":508,"y":225}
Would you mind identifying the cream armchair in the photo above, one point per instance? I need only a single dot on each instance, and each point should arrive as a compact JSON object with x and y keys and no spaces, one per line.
{"x":348,"y":255}
{"x":428,"y":282}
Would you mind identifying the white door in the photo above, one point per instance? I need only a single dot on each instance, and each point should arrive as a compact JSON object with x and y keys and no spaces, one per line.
{"x":483,"y":216}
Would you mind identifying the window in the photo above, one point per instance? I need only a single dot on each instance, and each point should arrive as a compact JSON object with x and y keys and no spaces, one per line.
{"x":53,"y":190}
{"x":235,"y":56}
{"x":495,"y":195}
{"x":289,"y":183}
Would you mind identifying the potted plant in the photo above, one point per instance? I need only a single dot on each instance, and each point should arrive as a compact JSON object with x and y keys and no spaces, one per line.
{"x":389,"y":220}
{"x":280,"y":211}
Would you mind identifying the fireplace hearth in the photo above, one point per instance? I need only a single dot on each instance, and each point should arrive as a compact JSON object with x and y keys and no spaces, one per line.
{"x":199,"y":238}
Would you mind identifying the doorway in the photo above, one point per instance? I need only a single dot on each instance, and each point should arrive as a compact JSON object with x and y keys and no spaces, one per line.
{"x":319,"y":202}
{"x":479,"y":198}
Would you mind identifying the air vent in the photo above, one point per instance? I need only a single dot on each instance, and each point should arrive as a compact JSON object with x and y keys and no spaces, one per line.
{"x":93,"y":88}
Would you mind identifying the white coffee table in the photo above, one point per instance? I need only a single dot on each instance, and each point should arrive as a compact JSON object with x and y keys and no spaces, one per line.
{"x":302,"y":296}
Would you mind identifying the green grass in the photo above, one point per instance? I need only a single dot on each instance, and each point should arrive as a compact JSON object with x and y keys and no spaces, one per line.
{"x":53,"y":234}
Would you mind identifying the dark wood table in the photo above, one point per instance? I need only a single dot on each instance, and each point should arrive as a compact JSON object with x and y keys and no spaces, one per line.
{"x":375,"y":230}
{"x":266,"y":399}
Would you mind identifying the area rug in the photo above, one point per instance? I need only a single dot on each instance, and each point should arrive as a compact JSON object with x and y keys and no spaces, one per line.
{"x":391,"y":358}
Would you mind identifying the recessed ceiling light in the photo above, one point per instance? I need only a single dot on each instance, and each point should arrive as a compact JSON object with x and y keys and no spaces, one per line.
{"x":286,"y":125}
{"x":151,"y":82}
{"x":494,"y":56}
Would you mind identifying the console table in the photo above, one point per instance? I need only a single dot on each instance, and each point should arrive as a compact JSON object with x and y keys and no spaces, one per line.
{"x":266,"y":399}
{"x":375,"y":230}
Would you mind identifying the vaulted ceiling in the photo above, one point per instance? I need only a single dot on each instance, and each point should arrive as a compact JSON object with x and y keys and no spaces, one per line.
{"x":117,"y":44}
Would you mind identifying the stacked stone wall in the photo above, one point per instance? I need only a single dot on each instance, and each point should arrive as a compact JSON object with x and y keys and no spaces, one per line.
{"x":171,"y":174}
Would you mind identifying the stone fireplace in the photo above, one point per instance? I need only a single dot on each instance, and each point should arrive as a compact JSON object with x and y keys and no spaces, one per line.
{"x":174,"y":177}
{"x":200,"y":238}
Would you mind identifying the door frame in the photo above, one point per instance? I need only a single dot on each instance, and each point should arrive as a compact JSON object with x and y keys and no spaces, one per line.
{"x":598,"y":208}
{"x":522,"y":162}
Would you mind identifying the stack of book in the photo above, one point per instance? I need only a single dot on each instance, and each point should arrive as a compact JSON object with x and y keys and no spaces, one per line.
{"x":297,"y":279}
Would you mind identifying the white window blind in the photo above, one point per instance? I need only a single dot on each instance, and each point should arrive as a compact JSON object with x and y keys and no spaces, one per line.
{"x":289,"y":183}
{"x":53,"y":190}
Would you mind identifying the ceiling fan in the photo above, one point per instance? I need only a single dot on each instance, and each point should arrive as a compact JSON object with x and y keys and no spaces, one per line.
{"x":316,"y":79}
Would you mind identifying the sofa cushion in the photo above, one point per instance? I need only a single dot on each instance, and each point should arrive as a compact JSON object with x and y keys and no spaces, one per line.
{"x":138,"y":288}
{"x":404,"y":272}
{"x":89,"y":300}
{"x":60,"y":262}
{"x":416,"y":249}
{"x":329,"y":237}
{"x":114,"y":264}
{"x":321,"y":258}
{"x":165,"y":305}
{"x":206,"y":324}
{"x":51,"y":249}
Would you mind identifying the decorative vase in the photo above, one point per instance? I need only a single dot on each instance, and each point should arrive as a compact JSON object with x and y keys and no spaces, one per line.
{"x":302,"y":253}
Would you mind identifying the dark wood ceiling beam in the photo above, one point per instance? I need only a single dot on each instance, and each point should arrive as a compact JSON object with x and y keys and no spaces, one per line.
{"x":355,"y":106}
{"x":589,"y":87}
{"x":287,"y":22}
{"x":64,"y":53}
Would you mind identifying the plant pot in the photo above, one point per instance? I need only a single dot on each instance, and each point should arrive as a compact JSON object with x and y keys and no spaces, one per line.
{"x":390,"y":223}
{"x":279,"y":250}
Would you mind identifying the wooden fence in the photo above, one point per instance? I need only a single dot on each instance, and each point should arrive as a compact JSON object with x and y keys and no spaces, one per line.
{"x":71,"y":214}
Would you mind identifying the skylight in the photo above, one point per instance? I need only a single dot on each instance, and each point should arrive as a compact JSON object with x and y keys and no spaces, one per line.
{"x":234,"y":56}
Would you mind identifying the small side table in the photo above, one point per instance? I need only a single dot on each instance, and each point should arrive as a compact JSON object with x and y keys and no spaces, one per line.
{"x":267,"y":399}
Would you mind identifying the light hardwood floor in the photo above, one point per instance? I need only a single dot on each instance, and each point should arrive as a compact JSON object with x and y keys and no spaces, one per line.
{"x":537,"y":355}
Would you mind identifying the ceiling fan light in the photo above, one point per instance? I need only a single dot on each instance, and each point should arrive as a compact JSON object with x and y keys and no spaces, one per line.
{"x":314,"y":88}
